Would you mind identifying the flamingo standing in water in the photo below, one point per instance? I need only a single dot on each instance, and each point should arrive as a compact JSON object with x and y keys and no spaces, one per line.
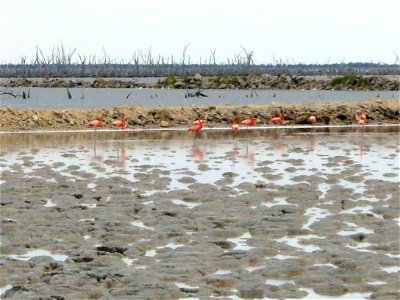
{"x":278,"y":120}
{"x":120,"y":123}
{"x":248,"y":122}
{"x":96,"y":123}
{"x":362,"y":118}
{"x":197,"y":125}
{"x":235,"y":126}
{"x":312,"y":119}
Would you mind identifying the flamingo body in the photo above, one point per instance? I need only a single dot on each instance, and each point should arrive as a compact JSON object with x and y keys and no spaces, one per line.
{"x":248,"y":122}
{"x":196,"y":127}
{"x":119,"y":123}
{"x":313,"y":120}
{"x":235,"y":126}
{"x":277,"y":120}
{"x":362,"y":118}
{"x":96,"y":123}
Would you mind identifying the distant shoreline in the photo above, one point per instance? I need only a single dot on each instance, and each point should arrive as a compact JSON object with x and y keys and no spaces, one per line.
{"x":260,"y":82}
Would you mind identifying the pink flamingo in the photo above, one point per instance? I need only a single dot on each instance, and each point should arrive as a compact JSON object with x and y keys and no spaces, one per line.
{"x":200,"y":119}
{"x":235,"y":126}
{"x":362,"y":118}
{"x":196,"y":126}
{"x":120,"y":123}
{"x":312,"y":119}
{"x":248,"y":122}
{"x":96,"y":123}
{"x":278,"y":120}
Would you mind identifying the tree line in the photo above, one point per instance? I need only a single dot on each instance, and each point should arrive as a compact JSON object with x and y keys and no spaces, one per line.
{"x":68,"y":63}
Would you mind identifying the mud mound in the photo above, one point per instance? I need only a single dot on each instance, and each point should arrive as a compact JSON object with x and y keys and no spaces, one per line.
{"x":377,"y":112}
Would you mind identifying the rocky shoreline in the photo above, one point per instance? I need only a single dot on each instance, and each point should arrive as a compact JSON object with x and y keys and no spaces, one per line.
{"x":344,"y":113}
{"x":265,"y":81}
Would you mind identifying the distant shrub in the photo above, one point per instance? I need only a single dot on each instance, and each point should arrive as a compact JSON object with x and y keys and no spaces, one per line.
{"x":234,"y":80}
{"x":185,"y":79}
{"x":351,"y":80}
{"x":168,"y":81}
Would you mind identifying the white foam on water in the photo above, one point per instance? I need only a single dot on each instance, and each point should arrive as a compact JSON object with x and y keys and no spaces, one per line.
{"x":240,"y":242}
{"x":141,"y":225}
{"x":86,"y":237}
{"x":38,"y":252}
{"x":190,"y":205}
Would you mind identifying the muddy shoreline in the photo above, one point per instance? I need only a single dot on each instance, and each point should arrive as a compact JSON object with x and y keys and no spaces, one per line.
{"x":138,"y":117}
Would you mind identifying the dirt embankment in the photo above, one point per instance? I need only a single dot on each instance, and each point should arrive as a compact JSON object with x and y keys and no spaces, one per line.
{"x":377,"y":112}
{"x":281,"y":82}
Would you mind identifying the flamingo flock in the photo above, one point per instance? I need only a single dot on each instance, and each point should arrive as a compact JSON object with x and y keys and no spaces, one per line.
{"x":199,"y":123}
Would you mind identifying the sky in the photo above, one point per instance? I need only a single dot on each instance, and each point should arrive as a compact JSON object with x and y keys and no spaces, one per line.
{"x":294,"y":31}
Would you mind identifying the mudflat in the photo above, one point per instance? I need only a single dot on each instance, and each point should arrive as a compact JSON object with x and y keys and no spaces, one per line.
{"x":277,"y":213}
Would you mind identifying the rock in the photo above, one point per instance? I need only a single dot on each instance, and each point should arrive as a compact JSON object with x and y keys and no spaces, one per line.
{"x":198,"y":77}
{"x":35,"y":118}
{"x":179,"y":85}
{"x":164,"y":124}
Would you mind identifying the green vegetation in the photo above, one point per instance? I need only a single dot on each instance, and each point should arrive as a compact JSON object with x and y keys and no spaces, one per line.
{"x":185,"y":79}
{"x":168,"y":81}
{"x":234,"y":80}
{"x":357,"y":81}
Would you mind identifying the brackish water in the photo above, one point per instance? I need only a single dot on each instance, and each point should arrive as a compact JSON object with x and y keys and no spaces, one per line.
{"x":89,"y":98}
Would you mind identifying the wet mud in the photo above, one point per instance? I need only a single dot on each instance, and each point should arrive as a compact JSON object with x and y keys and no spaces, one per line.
{"x":258,"y":214}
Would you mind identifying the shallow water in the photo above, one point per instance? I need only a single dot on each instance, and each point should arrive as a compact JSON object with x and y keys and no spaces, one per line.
{"x":319,"y":191}
{"x":90,"y":98}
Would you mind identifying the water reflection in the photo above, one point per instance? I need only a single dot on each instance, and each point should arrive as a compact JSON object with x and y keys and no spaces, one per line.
{"x":198,"y":153}
{"x":9,"y":141}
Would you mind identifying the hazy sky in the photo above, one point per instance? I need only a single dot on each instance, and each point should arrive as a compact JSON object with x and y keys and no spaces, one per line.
{"x":308,"y":31}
